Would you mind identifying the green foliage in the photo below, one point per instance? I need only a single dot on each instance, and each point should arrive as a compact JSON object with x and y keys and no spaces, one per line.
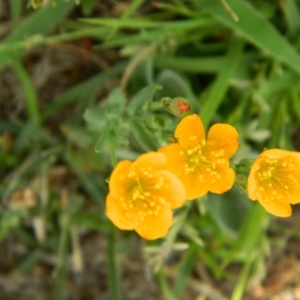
{"x":243,"y":72}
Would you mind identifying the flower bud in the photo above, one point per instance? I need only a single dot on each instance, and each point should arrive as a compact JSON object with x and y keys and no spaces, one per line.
{"x":176,"y":106}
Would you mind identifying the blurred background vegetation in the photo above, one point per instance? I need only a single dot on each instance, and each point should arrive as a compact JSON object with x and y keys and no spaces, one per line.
{"x":76,"y":81}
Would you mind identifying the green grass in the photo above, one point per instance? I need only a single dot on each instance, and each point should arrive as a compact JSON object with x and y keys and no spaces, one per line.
{"x":245,"y":73}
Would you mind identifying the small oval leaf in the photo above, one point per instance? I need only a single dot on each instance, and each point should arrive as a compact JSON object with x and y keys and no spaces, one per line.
{"x":141,"y":98}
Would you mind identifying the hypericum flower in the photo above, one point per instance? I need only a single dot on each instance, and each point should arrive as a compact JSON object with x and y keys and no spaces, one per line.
{"x":274,"y":181}
{"x":143,"y":194}
{"x":202,"y":164}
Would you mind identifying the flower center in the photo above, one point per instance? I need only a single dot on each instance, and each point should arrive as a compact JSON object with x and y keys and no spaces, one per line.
{"x":276,"y":178}
{"x":139,"y":199}
{"x":267,"y":170}
{"x":205,"y":161}
{"x":195,"y":158}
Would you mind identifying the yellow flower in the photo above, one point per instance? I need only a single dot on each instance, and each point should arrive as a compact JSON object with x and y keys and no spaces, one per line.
{"x":143,"y":194}
{"x":202,"y":164}
{"x":274,"y":181}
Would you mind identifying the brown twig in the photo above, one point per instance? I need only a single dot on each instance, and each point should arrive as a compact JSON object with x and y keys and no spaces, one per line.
{"x":134,"y":63}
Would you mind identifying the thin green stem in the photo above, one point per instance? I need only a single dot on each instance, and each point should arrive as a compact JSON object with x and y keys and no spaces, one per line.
{"x":243,"y":279}
{"x":155,"y":106}
{"x":113,"y":275}
{"x":37,"y":40}
{"x":113,"y":156}
{"x":166,"y":291}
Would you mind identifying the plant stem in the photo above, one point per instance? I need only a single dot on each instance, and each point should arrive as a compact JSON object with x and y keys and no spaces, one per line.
{"x":114,"y":281}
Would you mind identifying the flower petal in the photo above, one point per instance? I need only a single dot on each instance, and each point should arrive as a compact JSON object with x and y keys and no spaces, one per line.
{"x":252,"y":184}
{"x":154,"y":160}
{"x":195,"y":184}
{"x":116,"y":182}
{"x":117,"y":215}
{"x":277,"y":208}
{"x":222,"y":137}
{"x":175,"y":161}
{"x":224,"y":182}
{"x":173,"y":190}
{"x":154,"y":227}
{"x":276,"y":153}
{"x":190,"y":132}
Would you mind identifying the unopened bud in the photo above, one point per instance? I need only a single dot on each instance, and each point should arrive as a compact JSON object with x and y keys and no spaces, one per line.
{"x":176,"y":106}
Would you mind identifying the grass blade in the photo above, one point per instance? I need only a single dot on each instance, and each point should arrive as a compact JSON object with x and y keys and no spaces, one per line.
{"x":292,"y":15}
{"x":46,"y":18}
{"x":185,"y":268}
{"x":164,"y":286}
{"x":29,"y":91}
{"x":188,"y":64}
{"x":221,"y":84}
{"x":254,"y":27}
{"x":16,"y":8}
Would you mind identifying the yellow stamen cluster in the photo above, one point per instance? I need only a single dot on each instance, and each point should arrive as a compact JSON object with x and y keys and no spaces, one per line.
{"x":140,"y":196}
{"x":197,"y":160}
{"x":274,"y":178}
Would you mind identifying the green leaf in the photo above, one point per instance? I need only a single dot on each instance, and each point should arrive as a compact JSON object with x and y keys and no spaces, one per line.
{"x":96,"y":117}
{"x":154,"y":122}
{"x":166,"y":291}
{"x":119,"y":137}
{"x":274,"y":85}
{"x":141,"y":98}
{"x":292,"y":15}
{"x":78,"y":135}
{"x":131,"y":8}
{"x":209,"y":64}
{"x":115,"y":102}
{"x":250,"y":233}
{"x":29,"y":91}
{"x":174,"y":85}
{"x":229,"y":210}
{"x":87,"y":7}
{"x":220,"y":85}
{"x":253,"y":26}
{"x":129,"y":23}
{"x":135,"y":23}
{"x":46,"y":18}
{"x":102,"y":141}
{"x":294,"y":94}
{"x":184,"y":270}
{"x":141,"y":136}
{"x":16,"y":8}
